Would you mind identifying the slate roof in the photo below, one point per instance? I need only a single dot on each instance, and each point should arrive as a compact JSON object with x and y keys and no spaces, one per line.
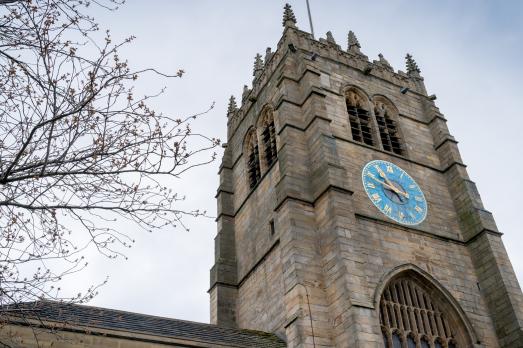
{"x":103,"y":318}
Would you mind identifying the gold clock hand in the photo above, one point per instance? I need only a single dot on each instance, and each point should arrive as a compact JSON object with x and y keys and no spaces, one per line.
{"x":384,"y":176}
{"x":392,"y":187}
{"x":388,"y":183}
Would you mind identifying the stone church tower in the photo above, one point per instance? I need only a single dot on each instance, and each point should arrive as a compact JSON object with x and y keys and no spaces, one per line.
{"x":326,"y":248}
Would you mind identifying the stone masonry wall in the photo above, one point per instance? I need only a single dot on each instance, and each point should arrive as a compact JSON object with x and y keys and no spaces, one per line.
{"x":317,"y":278}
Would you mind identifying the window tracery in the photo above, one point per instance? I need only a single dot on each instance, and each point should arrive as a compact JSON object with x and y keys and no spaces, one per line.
{"x":413,"y":317}
{"x":359,"y":118}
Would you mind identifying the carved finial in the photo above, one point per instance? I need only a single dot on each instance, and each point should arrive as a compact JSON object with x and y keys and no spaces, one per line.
{"x":268,"y":55}
{"x":330,"y":38}
{"x":258,"y":65}
{"x":289,"y":19}
{"x":233,"y":107}
{"x":382,"y":59}
{"x":412,"y":67}
{"x":246,"y":92}
{"x":385,"y":63}
{"x":354,"y":44}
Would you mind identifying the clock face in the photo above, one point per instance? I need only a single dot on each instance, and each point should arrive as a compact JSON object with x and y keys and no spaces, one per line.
{"x":394,"y":192}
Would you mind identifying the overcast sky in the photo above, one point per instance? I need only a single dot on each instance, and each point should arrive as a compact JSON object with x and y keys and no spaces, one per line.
{"x":469,"y":53}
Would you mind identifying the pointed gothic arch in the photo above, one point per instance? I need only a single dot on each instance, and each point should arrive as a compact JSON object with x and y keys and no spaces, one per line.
{"x":267,"y":130}
{"x":252,"y":163}
{"x":360,"y":121}
{"x":415,"y":310}
{"x":387,"y":119}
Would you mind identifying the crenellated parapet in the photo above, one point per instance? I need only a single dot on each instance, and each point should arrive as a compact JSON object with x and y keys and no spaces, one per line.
{"x":296,"y":41}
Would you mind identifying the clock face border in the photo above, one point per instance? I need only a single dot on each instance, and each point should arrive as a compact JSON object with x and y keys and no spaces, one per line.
{"x":383,"y":195}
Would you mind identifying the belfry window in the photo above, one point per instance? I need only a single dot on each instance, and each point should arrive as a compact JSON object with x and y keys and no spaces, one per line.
{"x":408,"y":314}
{"x":269,"y":138}
{"x":359,"y":119}
{"x":253,"y":160}
{"x":389,"y":134}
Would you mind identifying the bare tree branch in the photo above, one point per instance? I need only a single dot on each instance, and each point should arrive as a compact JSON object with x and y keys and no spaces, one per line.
{"x":79,"y":150}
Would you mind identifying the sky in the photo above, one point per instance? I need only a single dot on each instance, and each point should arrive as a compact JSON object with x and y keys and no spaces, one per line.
{"x":469,"y":53}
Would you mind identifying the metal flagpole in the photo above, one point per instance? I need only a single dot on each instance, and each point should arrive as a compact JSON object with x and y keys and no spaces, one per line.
{"x":310,"y":18}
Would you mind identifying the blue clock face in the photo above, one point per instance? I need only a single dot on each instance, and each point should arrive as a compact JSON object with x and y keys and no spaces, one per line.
{"x":394,"y":192}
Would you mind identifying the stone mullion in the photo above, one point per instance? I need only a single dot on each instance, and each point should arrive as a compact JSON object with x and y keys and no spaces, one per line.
{"x":439,"y":323}
{"x":426,"y":322}
{"x":385,"y":313}
{"x":404,"y":311}
{"x":418,"y":309}
{"x":448,"y":331}
{"x":433,"y":325}
{"x":413,"y":324}
{"x":414,"y":298}
{"x":397,"y":308}
{"x":423,"y":312}
{"x":393,"y":315}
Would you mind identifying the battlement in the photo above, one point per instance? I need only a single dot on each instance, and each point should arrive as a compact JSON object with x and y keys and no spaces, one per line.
{"x":298,"y":42}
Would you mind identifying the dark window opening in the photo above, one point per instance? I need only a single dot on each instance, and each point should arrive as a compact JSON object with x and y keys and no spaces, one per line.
{"x":389,"y":134}
{"x":269,"y":143}
{"x":272,"y":229}
{"x":360,"y":124}
{"x":411,"y":343}
{"x":254,"y":166}
{"x":396,"y":340}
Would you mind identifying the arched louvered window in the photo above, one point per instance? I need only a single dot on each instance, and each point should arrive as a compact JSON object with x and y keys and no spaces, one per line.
{"x":414,"y":313}
{"x":269,"y":138}
{"x":359,"y":118}
{"x":253,"y":159}
{"x":388,"y":128}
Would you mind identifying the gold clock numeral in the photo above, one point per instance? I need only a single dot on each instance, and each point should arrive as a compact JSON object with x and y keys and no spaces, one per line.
{"x":401,"y":215}
{"x":412,"y":186}
{"x":376,"y":197}
{"x":418,"y":198}
{"x":418,"y":209}
{"x":389,"y":169}
{"x":387,"y":209}
{"x":371,"y":185}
